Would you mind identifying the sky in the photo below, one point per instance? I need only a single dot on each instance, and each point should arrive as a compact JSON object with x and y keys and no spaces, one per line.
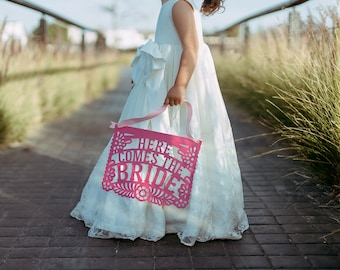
{"x":142,"y":14}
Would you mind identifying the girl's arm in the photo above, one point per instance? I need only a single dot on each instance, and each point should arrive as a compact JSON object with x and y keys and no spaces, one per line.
{"x":183,"y":18}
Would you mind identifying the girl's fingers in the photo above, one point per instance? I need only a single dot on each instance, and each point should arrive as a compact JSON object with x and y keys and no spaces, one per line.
{"x":172,"y":101}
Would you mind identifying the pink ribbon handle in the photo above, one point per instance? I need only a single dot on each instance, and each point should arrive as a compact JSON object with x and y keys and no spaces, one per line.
{"x":155,"y":113}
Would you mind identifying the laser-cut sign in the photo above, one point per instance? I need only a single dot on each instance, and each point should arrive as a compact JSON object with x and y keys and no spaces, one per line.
{"x":151,"y":166}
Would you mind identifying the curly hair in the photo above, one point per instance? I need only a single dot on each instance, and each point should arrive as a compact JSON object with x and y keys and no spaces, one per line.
{"x":210,"y":7}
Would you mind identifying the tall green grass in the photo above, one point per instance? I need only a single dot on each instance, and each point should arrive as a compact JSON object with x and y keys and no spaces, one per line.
{"x":295,"y":89}
{"x":37,"y":86}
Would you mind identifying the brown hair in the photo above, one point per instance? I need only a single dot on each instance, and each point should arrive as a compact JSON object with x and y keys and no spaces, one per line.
{"x":209,"y":7}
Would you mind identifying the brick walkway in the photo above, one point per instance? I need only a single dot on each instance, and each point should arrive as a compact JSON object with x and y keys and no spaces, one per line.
{"x":41,"y":181}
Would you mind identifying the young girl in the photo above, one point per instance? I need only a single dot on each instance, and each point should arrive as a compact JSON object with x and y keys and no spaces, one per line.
{"x":177,"y":66}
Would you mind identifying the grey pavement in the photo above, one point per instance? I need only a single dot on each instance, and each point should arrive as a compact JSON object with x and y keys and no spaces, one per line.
{"x":292,"y":224}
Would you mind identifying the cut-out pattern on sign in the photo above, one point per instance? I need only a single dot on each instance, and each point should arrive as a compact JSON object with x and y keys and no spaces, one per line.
{"x":151,"y":166}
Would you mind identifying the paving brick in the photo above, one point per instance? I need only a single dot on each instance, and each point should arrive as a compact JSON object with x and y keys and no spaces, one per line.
{"x":251,"y":262}
{"x":269,"y":229}
{"x":77,"y":263}
{"x":70,"y":231}
{"x":321,"y":219}
{"x":173,"y":251}
{"x":10,"y":231}
{"x":325,"y":261}
{"x":177,"y":262}
{"x":211,"y":262}
{"x":291,"y":219}
{"x":29,"y":252}
{"x":292,"y":262}
{"x":135,"y":263}
{"x":32,"y":242}
{"x":265,"y":190}
{"x":256,"y":205}
{"x":258,"y":212}
{"x":280,"y":249}
{"x":4,"y":252}
{"x":326,"y":228}
{"x":62,"y":252}
{"x":316,"y":212}
{"x":22,"y":264}
{"x":303,"y":206}
{"x":215,"y":248}
{"x":14,"y":222}
{"x":81,"y":241}
{"x":272,"y":238}
{"x":278,"y":205}
{"x":262,"y":220}
{"x":134,"y":251}
{"x":7,"y":241}
{"x":246,"y":250}
{"x":298,"y":228}
{"x":318,"y":249}
{"x":307,"y":238}
{"x":251,"y":198}
{"x":273,"y":197}
{"x":284,"y":212}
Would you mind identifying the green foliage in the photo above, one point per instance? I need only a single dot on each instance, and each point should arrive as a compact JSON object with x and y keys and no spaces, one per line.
{"x":295,"y":90}
{"x":51,"y":86}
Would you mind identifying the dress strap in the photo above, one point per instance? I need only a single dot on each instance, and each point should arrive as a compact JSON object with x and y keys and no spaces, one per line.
{"x":192,"y":3}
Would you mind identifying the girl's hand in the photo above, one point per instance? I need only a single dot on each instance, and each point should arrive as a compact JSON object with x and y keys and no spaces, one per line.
{"x":175,"y":96}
